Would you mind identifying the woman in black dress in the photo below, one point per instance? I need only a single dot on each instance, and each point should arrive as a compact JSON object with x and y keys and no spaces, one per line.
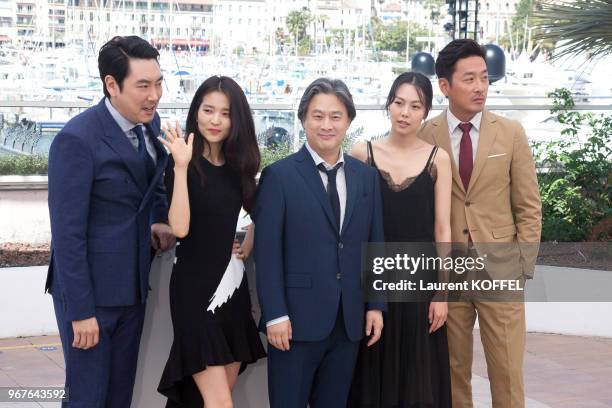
{"x":409,"y":366}
{"x":209,"y":177}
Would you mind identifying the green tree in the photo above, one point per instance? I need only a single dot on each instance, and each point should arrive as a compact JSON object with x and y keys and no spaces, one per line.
{"x":304,"y":46}
{"x":576,"y":174}
{"x":297,"y":23}
{"x":583,"y":25}
{"x":392,"y":37}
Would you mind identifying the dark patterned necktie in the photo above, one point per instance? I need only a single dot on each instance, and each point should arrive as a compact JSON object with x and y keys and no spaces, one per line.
{"x":144,"y":154}
{"x":332,"y":190}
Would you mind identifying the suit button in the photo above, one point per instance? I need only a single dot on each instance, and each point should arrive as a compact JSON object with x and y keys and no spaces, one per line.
{"x":338,"y":276}
{"x":340,"y":245}
{"x":466,"y":231}
{"x":467,"y":203}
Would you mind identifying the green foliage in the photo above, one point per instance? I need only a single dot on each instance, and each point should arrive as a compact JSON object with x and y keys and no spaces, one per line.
{"x":576,"y":173}
{"x":23,"y":165}
{"x":582,"y":25}
{"x":297,"y":21}
{"x":304,"y":46}
{"x":392,"y":37}
{"x":274,"y":153}
{"x":351,"y":138}
{"x":239,"y":51}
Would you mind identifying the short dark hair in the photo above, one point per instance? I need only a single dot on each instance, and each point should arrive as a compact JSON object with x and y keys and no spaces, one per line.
{"x":240,"y":148}
{"x":327,"y":86}
{"x":453,"y":52}
{"x":114,"y":56}
{"x":420,"y":82}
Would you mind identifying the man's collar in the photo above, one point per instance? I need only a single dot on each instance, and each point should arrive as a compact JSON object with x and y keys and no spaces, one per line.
{"x":123,"y":123}
{"x":318,"y":160}
{"x":453,"y":121}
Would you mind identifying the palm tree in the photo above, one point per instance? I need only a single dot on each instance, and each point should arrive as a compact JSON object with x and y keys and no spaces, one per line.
{"x":583,"y":25}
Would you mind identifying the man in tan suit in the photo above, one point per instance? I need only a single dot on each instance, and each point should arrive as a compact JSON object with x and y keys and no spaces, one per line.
{"x":495,"y":199}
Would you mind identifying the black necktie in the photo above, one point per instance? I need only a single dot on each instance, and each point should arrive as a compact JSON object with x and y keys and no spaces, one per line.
{"x":332,"y":190}
{"x":144,"y":154}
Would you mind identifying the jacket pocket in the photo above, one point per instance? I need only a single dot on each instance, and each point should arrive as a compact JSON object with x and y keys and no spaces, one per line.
{"x":294,"y":280}
{"x":506,"y":231}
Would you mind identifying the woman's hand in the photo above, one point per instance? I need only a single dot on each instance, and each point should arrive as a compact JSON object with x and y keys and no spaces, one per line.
{"x":438,"y":312}
{"x":180,"y":149}
{"x":241,"y":251}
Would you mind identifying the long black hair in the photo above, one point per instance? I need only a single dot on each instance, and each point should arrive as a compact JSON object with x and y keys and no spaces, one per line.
{"x":240,"y":147}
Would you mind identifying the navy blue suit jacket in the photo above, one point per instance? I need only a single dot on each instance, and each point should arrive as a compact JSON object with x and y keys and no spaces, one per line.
{"x":304,"y":266}
{"x":101,"y":206}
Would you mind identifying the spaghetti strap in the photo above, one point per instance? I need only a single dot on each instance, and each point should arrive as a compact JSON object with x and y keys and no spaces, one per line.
{"x":430,"y":160}
{"x":370,"y":154}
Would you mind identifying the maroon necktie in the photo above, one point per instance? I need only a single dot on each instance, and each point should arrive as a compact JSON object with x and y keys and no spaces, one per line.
{"x":466,"y":162}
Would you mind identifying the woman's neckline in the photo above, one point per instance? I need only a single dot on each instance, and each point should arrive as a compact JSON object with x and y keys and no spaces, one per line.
{"x":212,"y":164}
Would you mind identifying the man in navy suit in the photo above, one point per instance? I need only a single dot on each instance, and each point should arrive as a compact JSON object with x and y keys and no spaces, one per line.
{"x":314,"y":211}
{"x":107,"y":203}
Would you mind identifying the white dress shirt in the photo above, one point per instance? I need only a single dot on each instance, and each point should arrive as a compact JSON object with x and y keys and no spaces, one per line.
{"x":456,"y":134}
{"x":340,"y":186}
{"x":126,"y":126}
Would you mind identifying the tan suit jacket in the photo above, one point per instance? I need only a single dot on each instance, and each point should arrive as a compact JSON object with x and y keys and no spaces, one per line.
{"x":502,"y":202}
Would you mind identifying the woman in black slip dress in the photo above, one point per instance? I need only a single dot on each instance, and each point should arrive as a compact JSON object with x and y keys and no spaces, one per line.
{"x":210,"y":176}
{"x":409,"y":366}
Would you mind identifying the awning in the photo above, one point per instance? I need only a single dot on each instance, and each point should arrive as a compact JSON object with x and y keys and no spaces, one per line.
{"x":181,"y":41}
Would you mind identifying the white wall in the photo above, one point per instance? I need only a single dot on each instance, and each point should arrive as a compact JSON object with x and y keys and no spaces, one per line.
{"x":26,"y":311}
{"x":24,"y":216}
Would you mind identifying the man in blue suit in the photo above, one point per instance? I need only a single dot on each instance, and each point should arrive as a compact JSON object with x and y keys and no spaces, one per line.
{"x":314,"y":211}
{"x":107,"y":203}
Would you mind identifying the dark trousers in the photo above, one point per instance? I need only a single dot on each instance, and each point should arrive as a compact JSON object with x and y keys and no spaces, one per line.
{"x":318,"y":373}
{"x":104,"y":375}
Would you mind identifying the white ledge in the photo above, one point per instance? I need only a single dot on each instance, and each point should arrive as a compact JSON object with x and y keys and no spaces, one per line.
{"x":17,"y":182}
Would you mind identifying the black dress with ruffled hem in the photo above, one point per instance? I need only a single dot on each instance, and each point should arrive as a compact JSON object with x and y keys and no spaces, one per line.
{"x":207,"y":334}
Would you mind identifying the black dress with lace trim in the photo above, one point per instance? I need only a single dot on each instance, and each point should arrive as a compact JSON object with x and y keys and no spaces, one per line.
{"x":407,"y":367}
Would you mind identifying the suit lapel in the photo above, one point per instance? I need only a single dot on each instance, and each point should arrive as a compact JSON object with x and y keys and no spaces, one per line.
{"x":350,"y":175}
{"x":115,"y":138}
{"x":307,"y":169}
{"x":488,"y":132}
{"x":159,"y":166}
{"x":442,"y":139}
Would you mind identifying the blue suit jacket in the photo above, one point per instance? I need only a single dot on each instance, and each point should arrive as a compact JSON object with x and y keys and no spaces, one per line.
{"x":101,"y":206}
{"x":304,"y":266}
